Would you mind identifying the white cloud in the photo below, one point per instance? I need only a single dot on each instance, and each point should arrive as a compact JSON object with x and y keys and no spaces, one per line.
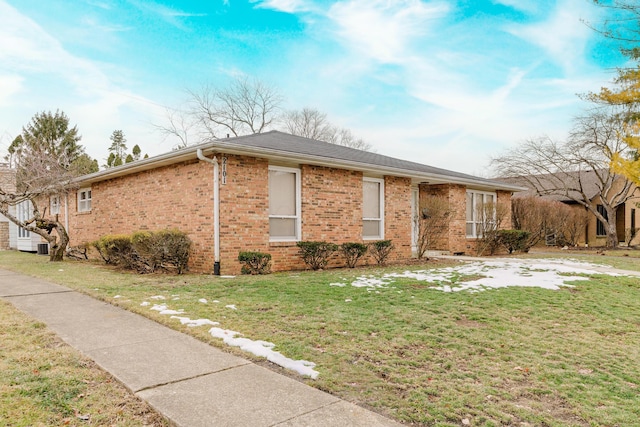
{"x":563,"y":36}
{"x":38,"y":74}
{"x":522,"y":5}
{"x":384,"y":30}
{"x":286,"y":6}
{"x":10,"y":85}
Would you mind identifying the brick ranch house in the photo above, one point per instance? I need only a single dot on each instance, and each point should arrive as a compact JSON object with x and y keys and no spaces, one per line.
{"x":265,"y":192}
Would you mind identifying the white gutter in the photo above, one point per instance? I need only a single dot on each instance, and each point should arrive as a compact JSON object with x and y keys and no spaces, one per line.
{"x":216,"y":210}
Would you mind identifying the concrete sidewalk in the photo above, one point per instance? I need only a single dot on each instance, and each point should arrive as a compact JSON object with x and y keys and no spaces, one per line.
{"x":190,"y":382}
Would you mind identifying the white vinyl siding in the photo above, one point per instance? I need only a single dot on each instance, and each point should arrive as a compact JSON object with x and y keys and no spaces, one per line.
{"x":372,"y":208}
{"x":284,"y":204}
{"x":480,"y":210}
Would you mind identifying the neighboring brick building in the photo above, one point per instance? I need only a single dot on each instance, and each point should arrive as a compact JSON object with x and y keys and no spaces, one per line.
{"x":593,"y":186}
{"x":274,"y":190}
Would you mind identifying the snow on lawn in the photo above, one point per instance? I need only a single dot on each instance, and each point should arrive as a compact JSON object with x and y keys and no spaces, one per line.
{"x":259,"y":348}
{"x":541,"y":273}
{"x":265,"y":349}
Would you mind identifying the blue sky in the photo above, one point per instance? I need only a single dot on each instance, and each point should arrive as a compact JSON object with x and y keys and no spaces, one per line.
{"x":442,"y":82}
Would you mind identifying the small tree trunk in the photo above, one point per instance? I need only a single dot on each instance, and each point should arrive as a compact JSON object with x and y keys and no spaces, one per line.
{"x":612,"y":230}
{"x":57,"y":244}
{"x":58,"y":249}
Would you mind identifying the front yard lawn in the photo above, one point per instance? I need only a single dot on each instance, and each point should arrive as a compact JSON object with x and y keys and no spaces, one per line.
{"x":522,"y":356}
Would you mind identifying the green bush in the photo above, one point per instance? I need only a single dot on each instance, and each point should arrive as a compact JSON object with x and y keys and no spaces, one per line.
{"x":146,"y":251}
{"x":115,"y":249}
{"x":316,"y":254}
{"x":169,"y":250}
{"x":513,"y":240}
{"x":381,"y":249}
{"x":353,"y":252}
{"x":255,"y":262}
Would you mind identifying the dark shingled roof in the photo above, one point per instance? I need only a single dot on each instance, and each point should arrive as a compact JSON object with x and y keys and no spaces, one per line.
{"x":296,"y":145}
{"x":280,"y":146}
{"x":588,"y":179}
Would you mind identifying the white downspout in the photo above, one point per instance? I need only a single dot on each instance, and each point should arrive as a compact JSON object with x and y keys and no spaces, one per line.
{"x":66,"y":212}
{"x":216,"y":211}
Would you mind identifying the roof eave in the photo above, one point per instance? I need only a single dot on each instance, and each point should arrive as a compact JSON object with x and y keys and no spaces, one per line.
{"x":279,"y":155}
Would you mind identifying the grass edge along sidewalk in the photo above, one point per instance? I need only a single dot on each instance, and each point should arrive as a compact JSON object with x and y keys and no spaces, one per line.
{"x":45,"y":382}
{"x":509,"y":356}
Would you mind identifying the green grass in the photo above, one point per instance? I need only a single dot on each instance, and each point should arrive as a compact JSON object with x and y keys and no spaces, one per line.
{"x":44,"y":382}
{"x":515,"y":356}
{"x":622,"y":258}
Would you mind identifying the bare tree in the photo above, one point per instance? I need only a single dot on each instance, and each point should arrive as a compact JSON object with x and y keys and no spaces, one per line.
{"x":314,"y":124}
{"x":578,"y":169}
{"x":44,"y":159}
{"x":543,"y":217}
{"x":179,"y":124}
{"x":493,"y":216}
{"x":432,"y":223}
{"x":620,"y":24}
{"x":246,"y":107}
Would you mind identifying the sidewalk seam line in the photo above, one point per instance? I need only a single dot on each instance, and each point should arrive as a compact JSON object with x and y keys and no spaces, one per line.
{"x":151,"y":387}
{"x":309,"y":412}
{"x":38,"y":293}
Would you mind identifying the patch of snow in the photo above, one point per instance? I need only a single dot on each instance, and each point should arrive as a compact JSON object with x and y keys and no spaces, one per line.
{"x":203,"y":300}
{"x":227,"y":277}
{"x":347,"y":300}
{"x":259,"y":348}
{"x":231,"y":306}
{"x":216,"y":301}
{"x":145,"y":303}
{"x":117,"y":296}
{"x":547,"y":274}
{"x":265,"y":349}
{"x":175,"y":298}
{"x":164,"y":310}
{"x":157,"y":297}
{"x":194,"y":323}
{"x":338,"y":284}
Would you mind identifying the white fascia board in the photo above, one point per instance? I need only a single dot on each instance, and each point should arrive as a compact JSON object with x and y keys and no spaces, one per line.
{"x":221,"y":146}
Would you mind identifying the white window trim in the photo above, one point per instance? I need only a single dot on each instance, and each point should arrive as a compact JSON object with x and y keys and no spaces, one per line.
{"x":475,"y":219}
{"x":54,"y":205}
{"x":298,"y":214}
{"x":381,"y":218}
{"x":84,"y":190}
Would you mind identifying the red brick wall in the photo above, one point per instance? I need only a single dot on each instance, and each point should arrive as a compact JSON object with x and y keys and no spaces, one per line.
{"x":181,"y":196}
{"x":244,"y":210}
{"x":397,"y":216}
{"x":178,"y":196}
{"x":455,"y":239}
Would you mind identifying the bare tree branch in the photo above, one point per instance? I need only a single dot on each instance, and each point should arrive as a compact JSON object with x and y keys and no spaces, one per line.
{"x":578,"y":169}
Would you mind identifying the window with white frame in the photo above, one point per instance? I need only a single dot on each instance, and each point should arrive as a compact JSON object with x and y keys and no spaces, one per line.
{"x":284,"y":203}
{"x":54,"y":205}
{"x":24,"y":212}
{"x":481,"y":212}
{"x":372,"y":208}
{"x":84,"y":200}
